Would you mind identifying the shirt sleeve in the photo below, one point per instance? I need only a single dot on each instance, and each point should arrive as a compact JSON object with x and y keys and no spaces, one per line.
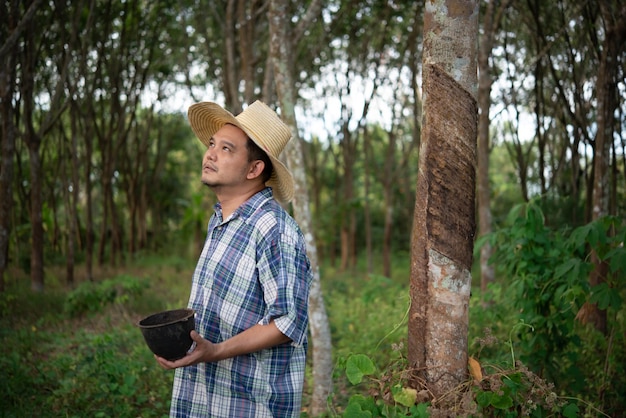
{"x":285,"y":276}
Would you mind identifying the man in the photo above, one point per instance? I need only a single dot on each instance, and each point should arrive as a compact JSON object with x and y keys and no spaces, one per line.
{"x":251,"y":284}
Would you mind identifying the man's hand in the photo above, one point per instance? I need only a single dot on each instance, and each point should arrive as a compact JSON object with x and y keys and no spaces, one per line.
{"x":257,"y":338}
{"x":205,"y":351}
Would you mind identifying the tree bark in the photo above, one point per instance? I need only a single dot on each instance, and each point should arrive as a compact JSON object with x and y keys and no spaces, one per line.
{"x":490,"y":25}
{"x":367,"y":218}
{"x":282,"y":50}
{"x":11,"y":28}
{"x":388,"y":192}
{"x":230,"y":75}
{"x":444,"y":224}
{"x":7,"y":110}
{"x":614,"y":16}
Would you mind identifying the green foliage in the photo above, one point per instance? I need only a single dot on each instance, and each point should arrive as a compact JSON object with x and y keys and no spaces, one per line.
{"x":391,"y":397}
{"x":502,"y":393}
{"x":83,"y":374}
{"x":116,"y":374}
{"x":547,"y":281}
{"x":60,"y":357}
{"x":529,"y":318}
{"x":548,"y":273}
{"x":519,"y":392}
{"x":93,"y":297}
{"x":95,"y":363}
{"x":369,"y":313}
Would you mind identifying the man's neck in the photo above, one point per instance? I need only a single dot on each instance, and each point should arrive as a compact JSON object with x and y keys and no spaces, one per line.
{"x":230,"y":202}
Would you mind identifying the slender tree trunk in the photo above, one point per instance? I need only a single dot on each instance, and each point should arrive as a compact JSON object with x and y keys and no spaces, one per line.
{"x":614,"y":16}
{"x":33,"y":141}
{"x":347,"y":183}
{"x":230,"y":74}
{"x":89,"y":228}
{"x":490,"y":24}
{"x":8,"y":71}
{"x":7,"y":80}
{"x":282,"y":50}
{"x":70,"y":218}
{"x":366,"y":203}
{"x":36,"y":219}
{"x":444,"y":224}
{"x":336,"y":241}
{"x":104,"y":228}
{"x":388,"y":191}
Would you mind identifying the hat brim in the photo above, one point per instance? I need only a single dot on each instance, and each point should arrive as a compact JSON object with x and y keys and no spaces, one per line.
{"x":207,"y":118}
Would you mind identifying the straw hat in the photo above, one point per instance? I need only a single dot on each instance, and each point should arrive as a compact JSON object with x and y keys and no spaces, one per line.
{"x":261,"y":124}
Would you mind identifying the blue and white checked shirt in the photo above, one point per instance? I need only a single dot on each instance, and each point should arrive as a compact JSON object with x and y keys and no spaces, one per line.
{"x":253,"y":268}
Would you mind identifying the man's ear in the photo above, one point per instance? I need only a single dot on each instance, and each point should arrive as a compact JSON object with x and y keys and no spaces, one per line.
{"x":256,"y":169}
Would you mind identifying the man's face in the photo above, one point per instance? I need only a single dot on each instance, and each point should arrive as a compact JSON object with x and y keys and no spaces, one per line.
{"x":225,"y":163}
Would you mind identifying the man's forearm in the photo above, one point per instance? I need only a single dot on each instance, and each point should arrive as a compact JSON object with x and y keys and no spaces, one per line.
{"x":257,"y":338}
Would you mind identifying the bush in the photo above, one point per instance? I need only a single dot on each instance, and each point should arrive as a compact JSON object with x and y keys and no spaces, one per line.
{"x":546,"y":279}
{"x":54,"y":364}
{"x":113,"y":374}
{"x":93,"y":297}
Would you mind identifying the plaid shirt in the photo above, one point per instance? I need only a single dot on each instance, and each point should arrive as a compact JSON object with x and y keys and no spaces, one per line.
{"x":253,"y":268}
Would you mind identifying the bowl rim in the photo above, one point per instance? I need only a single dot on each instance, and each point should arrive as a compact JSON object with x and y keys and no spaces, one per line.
{"x":190,"y":312}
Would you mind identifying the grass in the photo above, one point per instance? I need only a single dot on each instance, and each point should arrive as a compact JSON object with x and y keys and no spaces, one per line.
{"x":60,"y":356}
{"x":78,"y":353}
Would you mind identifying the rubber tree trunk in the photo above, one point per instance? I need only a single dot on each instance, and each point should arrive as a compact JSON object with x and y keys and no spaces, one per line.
{"x":444,"y":219}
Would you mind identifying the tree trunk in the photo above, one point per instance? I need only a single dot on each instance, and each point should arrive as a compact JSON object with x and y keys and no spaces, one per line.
{"x":36,"y":219}
{"x":7,"y":80}
{"x":230,"y":74}
{"x":281,"y":50}
{"x":388,"y":192}
{"x":490,"y":24}
{"x":89,"y":228}
{"x":348,"y":148}
{"x":444,"y":224}
{"x":10,"y":25}
{"x":615,"y":25}
{"x":70,"y":218}
{"x":367,"y":217}
{"x":33,"y":141}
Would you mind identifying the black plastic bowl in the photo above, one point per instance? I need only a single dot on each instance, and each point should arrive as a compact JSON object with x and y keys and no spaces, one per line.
{"x":167,"y":333}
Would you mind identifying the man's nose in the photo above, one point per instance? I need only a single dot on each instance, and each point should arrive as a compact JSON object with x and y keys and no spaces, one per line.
{"x":209,"y":154}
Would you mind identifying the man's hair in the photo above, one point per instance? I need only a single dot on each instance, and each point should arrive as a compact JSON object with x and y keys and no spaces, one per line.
{"x":256,"y":153}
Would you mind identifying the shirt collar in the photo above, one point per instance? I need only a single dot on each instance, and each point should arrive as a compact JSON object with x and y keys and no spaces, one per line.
{"x":249,"y":206}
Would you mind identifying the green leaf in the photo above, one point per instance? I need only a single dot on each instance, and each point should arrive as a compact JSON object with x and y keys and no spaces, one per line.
{"x":501,"y":402}
{"x":483,"y":399}
{"x":357,"y":366}
{"x":579,"y":236}
{"x":513,"y":381}
{"x":404,"y":396}
{"x":570,"y":411}
{"x":605,"y":296}
{"x":355,"y":411}
{"x":420,"y":410}
{"x":570,"y":265}
{"x":360,"y":407}
{"x":617,"y":259}
{"x":538,"y":251}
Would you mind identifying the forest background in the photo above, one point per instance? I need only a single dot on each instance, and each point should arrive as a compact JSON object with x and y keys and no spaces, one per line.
{"x":102,"y":213}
